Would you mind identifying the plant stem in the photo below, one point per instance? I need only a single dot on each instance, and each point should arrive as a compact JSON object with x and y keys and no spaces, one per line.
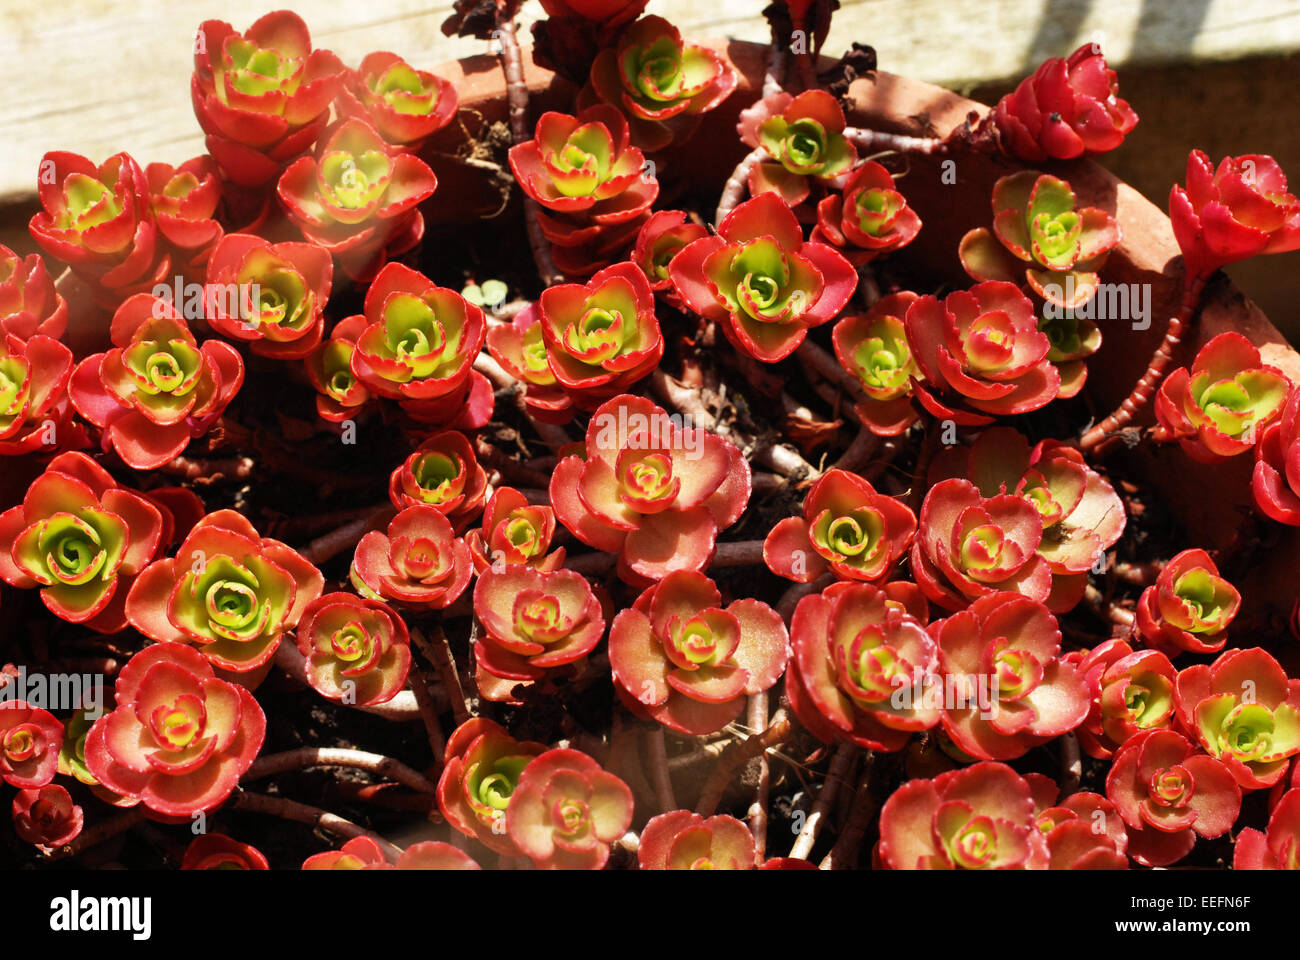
{"x":844,"y":854}
{"x":376,"y":763}
{"x":737,"y":184}
{"x":99,"y":833}
{"x":879,"y":140}
{"x":1150,"y":380}
{"x":839,"y":768}
{"x":330,"y":545}
{"x":312,"y":816}
{"x":662,"y":781}
{"x":1071,"y":765}
{"x":859,"y":452}
{"x":790,"y":599}
{"x":436,"y":648}
{"x":756,"y":717}
{"x":774,"y":76}
{"x":729,"y":761}
{"x":428,"y":713}
{"x":736,"y":553}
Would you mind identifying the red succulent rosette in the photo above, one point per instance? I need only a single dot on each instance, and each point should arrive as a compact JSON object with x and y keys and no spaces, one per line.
{"x":804,"y":137}
{"x":1068,"y":107}
{"x":30,"y":740}
{"x":340,"y":395}
{"x":357,"y":650}
{"x":534,"y":621}
{"x":158,"y":387}
{"x":1131,"y":692}
{"x":1189,"y":607}
{"x":356,"y":199}
{"x":969,"y":545}
{"x":419,"y":562}
{"x":864,"y":668}
{"x":291,"y":283}
{"x":659,"y":82}
{"x":514,"y":531}
{"x":418,"y":346}
{"x":680,"y":657}
{"x":870,"y":218}
{"x":1279,"y":847}
{"x":261,"y":96}
{"x":602,"y":337}
{"x":1238,"y":210}
{"x":29,"y":303}
{"x":404,"y":105}
{"x":607,"y":13}
{"x":216,"y":851}
{"x":847,"y":528}
{"x":682,"y":840}
{"x":444,"y":473}
{"x":1083,"y":832}
{"x":566,"y":811}
{"x":46,"y":816}
{"x":1276,"y":481}
{"x":982,"y":345}
{"x":761,"y":280}
{"x":1014,"y":692}
{"x":661,"y":238}
{"x":481,"y":771}
{"x":34,"y":407}
{"x":651,"y":491}
{"x":81,"y":539}
{"x":977,"y":818}
{"x":1243,"y":710}
{"x":98,"y":221}
{"x":1169,"y":793}
{"x":184,"y":203}
{"x":1219,"y":408}
{"x":229,"y":591}
{"x":179,"y":738}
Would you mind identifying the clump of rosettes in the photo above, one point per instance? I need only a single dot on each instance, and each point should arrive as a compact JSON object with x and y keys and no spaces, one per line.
{"x":682,"y":840}
{"x":566,"y":811}
{"x":420,"y":562}
{"x":481,"y":771}
{"x":686,"y":661}
{"x":1189,"y":607}
{"x":357,"y":650}
{"x":652,"y":491}
{"x":514,"y":531}
{"x":846,"y":527}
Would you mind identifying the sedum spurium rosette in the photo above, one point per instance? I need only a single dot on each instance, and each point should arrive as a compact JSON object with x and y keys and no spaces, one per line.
{"x":603,"y":337}
{"x":1083,"y":831}
{"x":34,"y":407}
{"x":1039,"y":237}
{"x":418,"y":346}
{"x":363,"y":853}
{"x":29,"y":304}
{"x":1189,"y":607}
{"x":682,"y":658}
{"x":1081,"y":514}
{"x":847,"y":528}
{"x":261,"y":96}
{"x":30,"y":740}
{"x":97,"y":220}
{"x":216,"y":851}
{"x":870,"y":218}
{"x":340,"y":394}
{"x":356,"y":199}
{"x":1279,"y":847}
{"x":1169,"y":793}
{"x":660,"y":239}
{"x":514,"y":531}
{"x":46,"y":816}
{"x":184,"y":202}
{"x":982,"y":347}
{"x":968,"y":545}
{"x":292,"y":281}
{"x":520,"y":347}
{"x":654,"y":77}
{"x":872,"y":347}
{"x":566,"y":811}
{"x":444,"y":473}
{"x":1243,"y":710}
{"x":534,"y":621}
{"x":158,"y":387}
{"x":682,"y":840}
{"x":652,"y":492}
{"x":481,"y":770}
{"x":1014,"y":691}
{"x":179,"y":738}
{"x":1238,"y":210}
{"x":1068,"y":107}
{"x":1132,"y":692}
{"x":357,"y":650}
{"x":229,"y":591}
{"x":1219,"y":407}
{"x":420,"y":562}
{"x":761,"y":281}
{"x":1276,"y":481}
{"x":403,"y":104}
{"x":804,"y":137}
{"x":864,"y":668}
{"x":81,"y":539}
